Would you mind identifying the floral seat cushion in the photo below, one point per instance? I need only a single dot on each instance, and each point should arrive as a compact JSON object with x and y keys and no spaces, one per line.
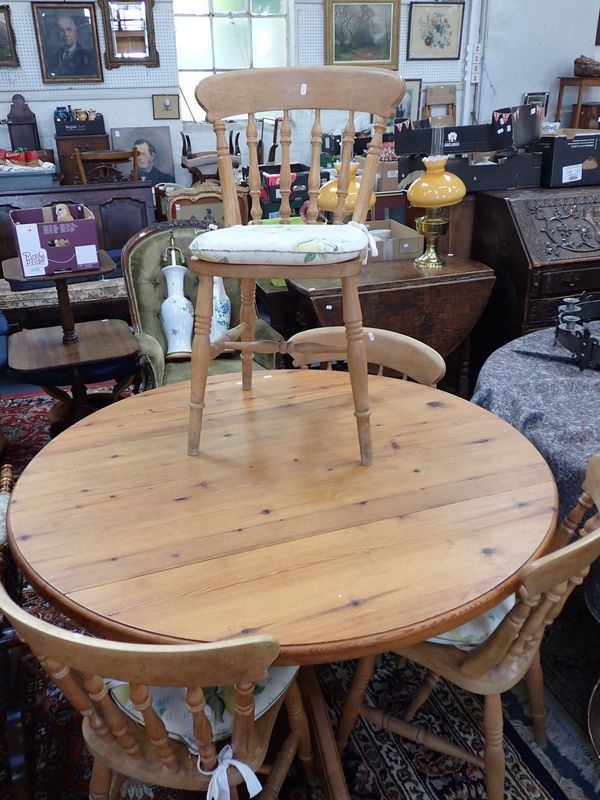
{"x":283,"y":244}
{"x":169,"y":704}
{"x":474,"y":633}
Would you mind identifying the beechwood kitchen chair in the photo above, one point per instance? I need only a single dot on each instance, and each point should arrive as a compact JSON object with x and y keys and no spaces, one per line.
{"x":492,"y":664}
{"x":298,"y":94}
{"x":153,"y":720}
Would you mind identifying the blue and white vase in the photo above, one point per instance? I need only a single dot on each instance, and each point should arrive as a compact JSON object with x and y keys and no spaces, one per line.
{"x":176,"y":313}
{"x":221,"y":317}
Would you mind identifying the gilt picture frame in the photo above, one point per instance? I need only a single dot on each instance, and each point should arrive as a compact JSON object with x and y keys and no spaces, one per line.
{"x":435,"y":31}
{"x":361,"y":33}
{"x":8,"y":46}
{"x":67,"y":41}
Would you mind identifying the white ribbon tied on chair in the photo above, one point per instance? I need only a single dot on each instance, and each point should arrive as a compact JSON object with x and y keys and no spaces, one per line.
{"x":372,"y":247}
{"x":218,"y":788}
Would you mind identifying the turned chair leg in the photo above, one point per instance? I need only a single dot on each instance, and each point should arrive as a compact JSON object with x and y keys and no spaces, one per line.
{"x":200,"y":361}
{"x":421,"y":696}
{"x":298,"y":722}
{"x":357,"y":367}
{"x":535,"y":687}
{"x":494,"y":750}
{"x":354,"y":699}
{"x":100,"y":781}
{"x":248,"y":318}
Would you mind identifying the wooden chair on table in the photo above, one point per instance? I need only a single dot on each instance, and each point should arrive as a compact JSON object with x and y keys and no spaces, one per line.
{"x":123,"y":722}
{"x":10,"y":654}
{"x":101,"y":166}
{"x":264,"y":90}
{"x":494,"y":652}
{"x":387,"y":349}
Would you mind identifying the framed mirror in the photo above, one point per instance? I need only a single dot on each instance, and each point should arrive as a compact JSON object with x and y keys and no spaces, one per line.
{"x":129,"y":33}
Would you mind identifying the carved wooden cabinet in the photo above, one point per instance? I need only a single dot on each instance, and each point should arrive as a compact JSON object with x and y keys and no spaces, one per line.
{"x":65,"y":147}
{"x":543,"y":244}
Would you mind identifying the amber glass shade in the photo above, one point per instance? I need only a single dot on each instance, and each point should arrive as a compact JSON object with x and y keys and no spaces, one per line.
{"x":327,"y":198}
{"x":437,"y":188}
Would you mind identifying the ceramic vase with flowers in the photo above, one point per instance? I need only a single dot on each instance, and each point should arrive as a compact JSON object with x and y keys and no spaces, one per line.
{"x":176,"y":311}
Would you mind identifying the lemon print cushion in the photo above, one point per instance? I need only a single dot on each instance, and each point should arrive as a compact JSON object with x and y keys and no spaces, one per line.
{"x":282,"y":244}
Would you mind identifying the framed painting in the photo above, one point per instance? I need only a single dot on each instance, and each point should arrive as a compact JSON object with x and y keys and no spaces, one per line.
{"x":165,"y":106}
{"x":67,"y":40}
{"x":410,"y":104}
{"x":364,"y":34}
{"x":537,"y":99}
{"x":155,"y":154}
{"x":435,"y":31}
{"x":8,"y":48}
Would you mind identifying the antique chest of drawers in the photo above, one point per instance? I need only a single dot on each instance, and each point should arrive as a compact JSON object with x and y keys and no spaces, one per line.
{"x":543,"y":244}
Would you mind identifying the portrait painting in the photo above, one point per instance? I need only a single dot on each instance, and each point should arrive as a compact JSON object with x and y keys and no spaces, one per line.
{"x":67,"y":40}
{"x":8,"y":48}
{"x":435,"y":31}
{"x":360,"y":33}
{"x":153,"y":146}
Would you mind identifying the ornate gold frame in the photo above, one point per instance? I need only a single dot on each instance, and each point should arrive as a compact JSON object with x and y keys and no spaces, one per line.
{"x":13,"y":60}
{"x":334,"y":7}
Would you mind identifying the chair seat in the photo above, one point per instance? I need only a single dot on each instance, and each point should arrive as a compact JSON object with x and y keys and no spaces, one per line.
{"x":475,"y":632}
{"x":278,"y":245}
{"x":169,"y":704}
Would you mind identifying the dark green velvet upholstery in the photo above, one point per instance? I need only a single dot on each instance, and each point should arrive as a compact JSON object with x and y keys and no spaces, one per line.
{"x":146,"y":290}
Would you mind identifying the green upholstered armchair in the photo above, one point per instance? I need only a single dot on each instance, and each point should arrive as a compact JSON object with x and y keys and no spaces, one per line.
{"x":146,"y":290}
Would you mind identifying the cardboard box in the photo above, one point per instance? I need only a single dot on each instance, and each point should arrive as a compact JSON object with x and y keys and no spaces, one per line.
{"x":270,"y":191}
{"x":88,"y":127}
{"x":509,"y":129}
{"x":570,"y":158}
{"x":518,"y":170}
{"x":47,"y":246}
{"x":405,"y":242}
{"x":387,"y":174}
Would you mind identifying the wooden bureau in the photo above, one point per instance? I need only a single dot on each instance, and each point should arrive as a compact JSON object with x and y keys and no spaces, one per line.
{"x":544,"y":245}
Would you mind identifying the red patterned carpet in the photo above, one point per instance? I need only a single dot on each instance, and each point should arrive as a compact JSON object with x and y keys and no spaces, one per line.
{"x":377,"y":765}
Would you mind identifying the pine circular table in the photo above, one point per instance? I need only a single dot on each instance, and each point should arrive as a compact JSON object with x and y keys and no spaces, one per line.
{"x":276,"y":527}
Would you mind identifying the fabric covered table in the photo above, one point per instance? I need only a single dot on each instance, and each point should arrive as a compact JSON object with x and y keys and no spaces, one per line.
{"x":550,"y":401}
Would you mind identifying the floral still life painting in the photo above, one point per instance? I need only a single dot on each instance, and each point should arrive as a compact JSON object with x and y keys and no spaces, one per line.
{"x":435,"y":31}
{"x":360,"y":33}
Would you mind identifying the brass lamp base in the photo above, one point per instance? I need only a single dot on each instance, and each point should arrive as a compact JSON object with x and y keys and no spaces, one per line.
{"x":431,"y":226}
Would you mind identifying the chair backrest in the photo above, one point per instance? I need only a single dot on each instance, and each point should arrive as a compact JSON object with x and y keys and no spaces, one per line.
{"x":545,"y":587}
{"x":78,"y":664}
{"x":284,"y":90}
{"x":101,"y":166}
{"x":387,"y":349}
{"x":203,"y":203}
{"x":146,"y":286}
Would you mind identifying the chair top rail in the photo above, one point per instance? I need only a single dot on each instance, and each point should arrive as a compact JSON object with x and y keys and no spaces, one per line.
{"x":367,"y":89}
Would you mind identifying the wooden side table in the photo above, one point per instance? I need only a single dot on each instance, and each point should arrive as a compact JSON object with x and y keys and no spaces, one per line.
{"x":438,"y":306}
{"x":101,"y":349}
{"x":13,"y":271}
{"x":581,"y":84}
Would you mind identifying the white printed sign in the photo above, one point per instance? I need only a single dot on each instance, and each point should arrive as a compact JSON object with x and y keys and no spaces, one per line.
{"x":86,"y":254}
{"x":572,"y":173}
{"x":33,"y":256}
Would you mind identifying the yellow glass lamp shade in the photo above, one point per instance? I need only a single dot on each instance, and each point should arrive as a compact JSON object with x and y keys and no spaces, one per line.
{"x":437,"y":188}
{"x":327,"y":198}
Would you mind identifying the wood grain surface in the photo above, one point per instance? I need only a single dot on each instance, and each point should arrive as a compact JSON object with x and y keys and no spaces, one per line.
{"x":44,"y":348}
{"x":276,"y":527}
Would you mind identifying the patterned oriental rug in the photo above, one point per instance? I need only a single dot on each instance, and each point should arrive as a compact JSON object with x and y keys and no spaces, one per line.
{"x":378,"y":766}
